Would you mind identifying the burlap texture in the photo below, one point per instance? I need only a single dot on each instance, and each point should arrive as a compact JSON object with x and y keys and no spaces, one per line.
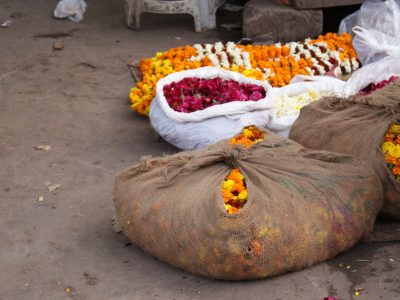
{"x":304,"y":207}
{"x":355,"y":126}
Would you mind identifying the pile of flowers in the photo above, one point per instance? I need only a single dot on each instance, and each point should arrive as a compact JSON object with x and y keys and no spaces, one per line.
{"x":372,"y":87}
{"x":287,"y":105}
{"x":391,"y":149}
{"x":234,"y":190}
{"x":193,"y":94}
{"x":249,"y":136}
{"x":277,"y":63}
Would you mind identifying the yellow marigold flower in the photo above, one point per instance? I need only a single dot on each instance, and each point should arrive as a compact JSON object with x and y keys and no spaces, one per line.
{"x":228,"y":184}
{"x":394,"y":128}
{"x":243,"y":195}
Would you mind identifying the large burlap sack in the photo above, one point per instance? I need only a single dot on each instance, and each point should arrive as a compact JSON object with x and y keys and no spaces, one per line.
{"x":356,"y":126}
{"x":304,"y":207}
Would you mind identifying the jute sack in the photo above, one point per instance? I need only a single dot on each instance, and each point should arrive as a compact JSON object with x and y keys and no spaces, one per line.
{"x":303,"y":207}
{"x":355,"y":126}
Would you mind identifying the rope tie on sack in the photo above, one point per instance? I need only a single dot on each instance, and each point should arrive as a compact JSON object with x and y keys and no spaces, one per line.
{"x":231,"y":155}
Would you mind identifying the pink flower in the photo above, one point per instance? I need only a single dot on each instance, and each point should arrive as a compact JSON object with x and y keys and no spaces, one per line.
{"x":372,"y":87}
{"x":193,"y":94}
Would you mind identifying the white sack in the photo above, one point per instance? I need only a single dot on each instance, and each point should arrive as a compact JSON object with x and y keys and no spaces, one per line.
{"x":226,"y":109}
{"x":71,"y":9}
{"x":196,"y":135}
{"x":372,"y":73}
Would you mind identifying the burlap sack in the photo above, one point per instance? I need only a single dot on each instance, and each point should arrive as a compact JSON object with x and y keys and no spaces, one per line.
{"x":304,"y":207}
{"x":355,"y":126}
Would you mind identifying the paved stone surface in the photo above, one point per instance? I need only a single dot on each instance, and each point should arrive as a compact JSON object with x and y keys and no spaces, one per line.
{"x":75,"y":100}
{"x":278,"y":22}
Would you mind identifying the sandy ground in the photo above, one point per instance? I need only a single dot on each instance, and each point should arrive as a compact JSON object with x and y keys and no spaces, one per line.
{"x":76,"y":101}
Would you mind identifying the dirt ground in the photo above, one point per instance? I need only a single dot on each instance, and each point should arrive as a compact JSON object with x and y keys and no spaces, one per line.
{"x":75,"y":100}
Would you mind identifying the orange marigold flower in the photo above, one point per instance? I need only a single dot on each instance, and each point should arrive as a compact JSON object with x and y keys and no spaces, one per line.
{"x":396,"y":170}
{"x":391,"y":160}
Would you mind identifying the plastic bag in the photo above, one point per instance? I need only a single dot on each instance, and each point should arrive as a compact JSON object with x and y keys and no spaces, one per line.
{"x":315,"y":87}
{"x":196,"y":135}
{"x":375,"y":14}
{"x":71,"y":9}
{"x":372,"y":73}
{"x":373,"y":45}
{"x":231,"y":108}
{"x":376,"y":28}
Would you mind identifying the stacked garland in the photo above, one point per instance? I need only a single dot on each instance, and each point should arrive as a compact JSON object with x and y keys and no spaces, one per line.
{"x":277,"y":63}
{"x":234,"y":190}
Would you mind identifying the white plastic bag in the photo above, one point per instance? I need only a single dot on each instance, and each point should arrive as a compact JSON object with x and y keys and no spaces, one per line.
{"x":196,"y":135}
{"x":376,"y":28}
{"x":372,"y":45}
{"x":71,"y":9}
{"x":226,"y":109}
{"x":383,"y":16}
{"x":283,"y":115}
{"x":348,"y":23}
{"x":372,"y":73}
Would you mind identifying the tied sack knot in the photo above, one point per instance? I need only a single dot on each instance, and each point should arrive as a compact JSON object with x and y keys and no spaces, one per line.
{"x":231,"y":155}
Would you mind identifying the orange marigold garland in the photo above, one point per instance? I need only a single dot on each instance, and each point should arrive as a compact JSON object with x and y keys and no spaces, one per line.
{"x":234,"y":190}
{"x":391,"y":149}
{"x":277,"y":63}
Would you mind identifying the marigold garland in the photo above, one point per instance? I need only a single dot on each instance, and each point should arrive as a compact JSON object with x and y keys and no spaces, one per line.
{"x":391,"y":149}
{"x":234,"y":190}
{"x":277,"y":63}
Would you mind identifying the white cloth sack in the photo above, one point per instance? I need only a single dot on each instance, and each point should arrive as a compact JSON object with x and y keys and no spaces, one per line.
{"x":372,"y":73}
{"x":299,"y":85}
{"x":376,"y":28}
{"x":71,"y":9}
{"x":226,"y":109}
{"x":196,"y":135}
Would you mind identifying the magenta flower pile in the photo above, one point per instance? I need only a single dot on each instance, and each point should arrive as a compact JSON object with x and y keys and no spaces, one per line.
{"x":372,"y":87}
{"x":193,"y":94}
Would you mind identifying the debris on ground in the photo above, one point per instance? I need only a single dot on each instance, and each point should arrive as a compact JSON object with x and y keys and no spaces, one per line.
{"x":59,"y":45}
{"x":6,"y":24}
{"x":115,"y":225}
{"x":52,"y":187}
{"x":43,"y":147}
